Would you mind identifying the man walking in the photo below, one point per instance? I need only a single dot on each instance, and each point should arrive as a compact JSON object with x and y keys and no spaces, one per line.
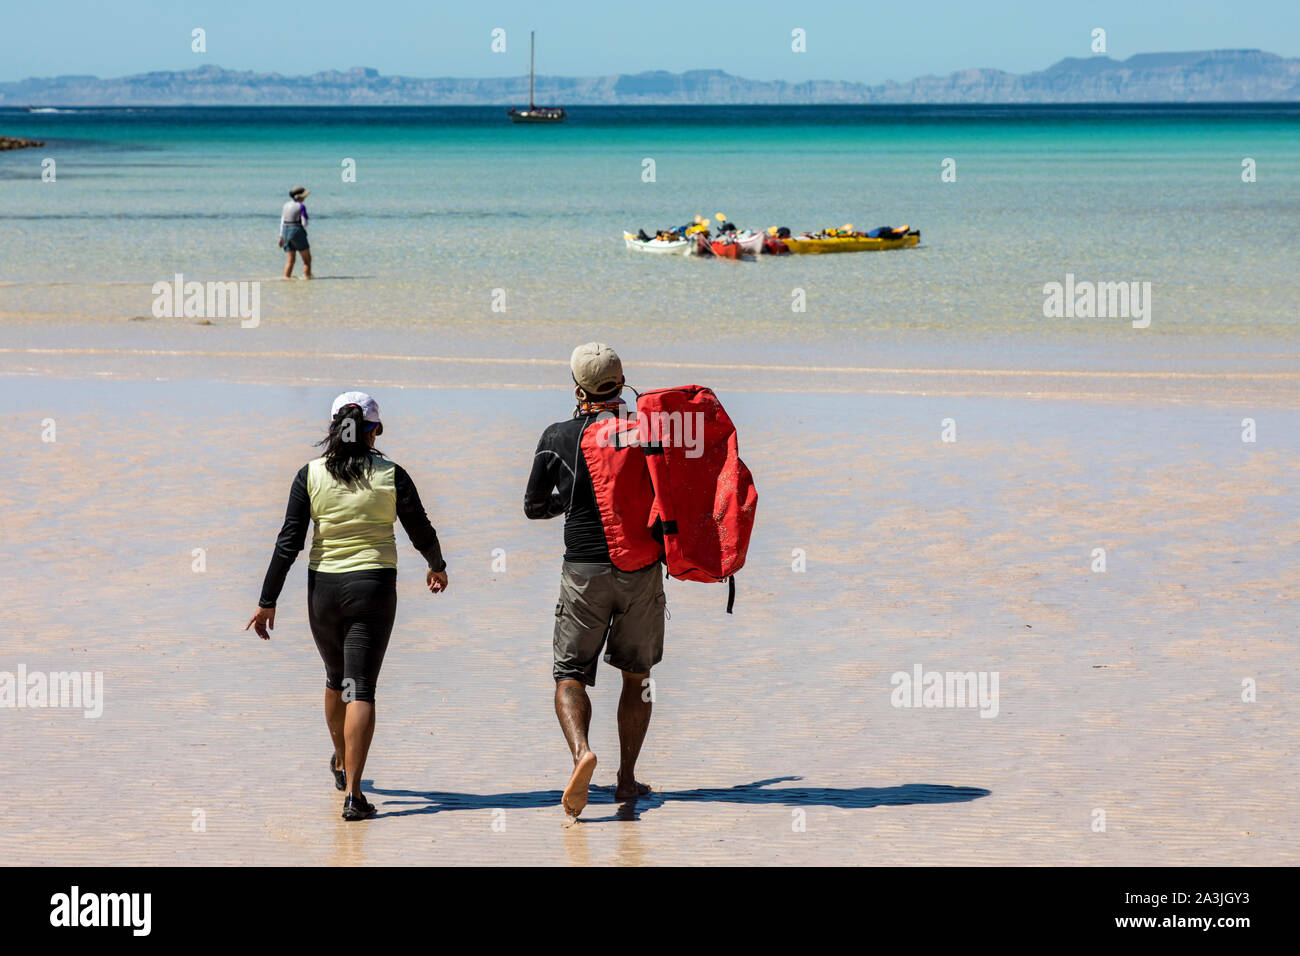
{"x":610,"y":601}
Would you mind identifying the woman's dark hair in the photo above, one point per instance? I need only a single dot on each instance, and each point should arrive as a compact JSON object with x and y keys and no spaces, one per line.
{"x":347,"y":450}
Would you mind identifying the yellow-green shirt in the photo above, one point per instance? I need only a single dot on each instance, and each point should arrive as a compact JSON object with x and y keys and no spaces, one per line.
{"x":352,"y":524}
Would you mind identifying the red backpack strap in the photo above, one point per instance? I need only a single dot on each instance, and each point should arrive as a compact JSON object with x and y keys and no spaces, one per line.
{"x":624,"y":493}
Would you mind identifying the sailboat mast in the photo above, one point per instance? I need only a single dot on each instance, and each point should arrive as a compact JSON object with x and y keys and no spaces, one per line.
{"x":532,"y":42}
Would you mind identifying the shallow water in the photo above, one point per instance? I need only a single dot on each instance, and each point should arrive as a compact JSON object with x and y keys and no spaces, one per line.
{"x":450,"y":204}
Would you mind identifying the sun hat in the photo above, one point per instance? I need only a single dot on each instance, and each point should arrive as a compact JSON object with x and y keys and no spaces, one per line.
{"x":299,"y":193}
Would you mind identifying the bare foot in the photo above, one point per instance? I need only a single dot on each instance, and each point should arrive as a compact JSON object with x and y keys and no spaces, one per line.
{"x":575,"y":794}
{"x":628,"y":792}
{"x":307,"y":275}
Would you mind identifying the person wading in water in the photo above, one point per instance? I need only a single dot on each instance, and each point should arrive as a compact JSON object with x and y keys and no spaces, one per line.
{"x":293,"y":232}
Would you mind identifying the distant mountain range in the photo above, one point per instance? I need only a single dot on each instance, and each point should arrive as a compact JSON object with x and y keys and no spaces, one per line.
{"x":1214,"y":76}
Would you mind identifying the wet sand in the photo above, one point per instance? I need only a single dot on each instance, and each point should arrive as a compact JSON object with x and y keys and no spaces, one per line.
{"x":774,"y":739}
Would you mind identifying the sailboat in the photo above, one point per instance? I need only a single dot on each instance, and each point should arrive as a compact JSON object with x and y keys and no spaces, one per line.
{"x":535,"y":114}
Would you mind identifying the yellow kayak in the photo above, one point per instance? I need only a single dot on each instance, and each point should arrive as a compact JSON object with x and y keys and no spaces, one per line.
{"x":851,"y":243}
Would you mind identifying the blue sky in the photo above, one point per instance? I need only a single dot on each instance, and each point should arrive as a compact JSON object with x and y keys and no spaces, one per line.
{"x":865,"y":40}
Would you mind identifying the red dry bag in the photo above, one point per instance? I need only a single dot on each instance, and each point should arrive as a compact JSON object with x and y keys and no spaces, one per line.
{"x":704,"y":496}
{"x":624,"y":495}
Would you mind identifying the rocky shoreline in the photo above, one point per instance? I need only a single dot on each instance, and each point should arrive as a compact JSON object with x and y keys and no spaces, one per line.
{"x":13,"y":142}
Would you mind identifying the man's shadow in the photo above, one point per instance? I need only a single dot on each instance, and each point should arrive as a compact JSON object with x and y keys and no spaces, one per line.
{"x":409,"y":802}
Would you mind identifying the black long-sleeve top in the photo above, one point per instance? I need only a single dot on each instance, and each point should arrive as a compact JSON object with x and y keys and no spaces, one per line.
{"x":297,"y":519}
{"x":561,"y":485}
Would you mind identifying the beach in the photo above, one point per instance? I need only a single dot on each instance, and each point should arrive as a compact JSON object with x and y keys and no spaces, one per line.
{"x":1119,"y":691}
{"x":937,"y":463}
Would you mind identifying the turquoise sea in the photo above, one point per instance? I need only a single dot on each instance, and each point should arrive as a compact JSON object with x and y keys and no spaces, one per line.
{"x":450,"y":204}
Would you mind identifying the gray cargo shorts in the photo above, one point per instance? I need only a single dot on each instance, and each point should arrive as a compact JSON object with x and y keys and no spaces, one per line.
{"x":601,"y":606}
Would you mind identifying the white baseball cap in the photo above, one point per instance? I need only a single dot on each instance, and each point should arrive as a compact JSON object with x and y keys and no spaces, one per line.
{"x":369,"y":407}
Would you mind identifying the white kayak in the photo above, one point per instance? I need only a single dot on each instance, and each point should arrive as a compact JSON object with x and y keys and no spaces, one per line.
{"x":678,"y":247}
{"x":734,"y":245}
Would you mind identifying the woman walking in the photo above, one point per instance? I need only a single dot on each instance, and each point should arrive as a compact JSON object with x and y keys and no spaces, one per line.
{"x":293,"y":232}
{"x":352,"y":495}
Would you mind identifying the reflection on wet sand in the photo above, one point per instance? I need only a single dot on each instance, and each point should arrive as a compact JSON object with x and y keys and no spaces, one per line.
{"x":1118,"y":691}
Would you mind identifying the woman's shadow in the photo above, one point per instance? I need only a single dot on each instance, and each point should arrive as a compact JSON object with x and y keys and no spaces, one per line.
{"x":408,"y":802}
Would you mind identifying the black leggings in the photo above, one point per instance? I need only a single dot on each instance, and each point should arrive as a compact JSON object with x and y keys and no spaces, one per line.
{"x":351,"y":618}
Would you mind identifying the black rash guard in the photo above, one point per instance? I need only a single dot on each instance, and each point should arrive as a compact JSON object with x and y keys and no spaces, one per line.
{"x":561,"y":485}
{"x":297,"y":519}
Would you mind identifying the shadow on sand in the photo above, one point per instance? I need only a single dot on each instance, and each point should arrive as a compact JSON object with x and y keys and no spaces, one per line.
{"x":408,"y":802}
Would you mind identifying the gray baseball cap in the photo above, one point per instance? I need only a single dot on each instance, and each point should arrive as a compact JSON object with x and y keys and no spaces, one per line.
{"x":596,"y":368}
